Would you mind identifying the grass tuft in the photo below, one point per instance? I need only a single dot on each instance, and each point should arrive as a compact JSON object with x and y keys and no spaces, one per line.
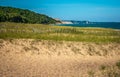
{"x":58,"y":33}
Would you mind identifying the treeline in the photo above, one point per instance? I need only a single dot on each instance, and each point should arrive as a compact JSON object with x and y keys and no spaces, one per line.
{"x":11,"y":14}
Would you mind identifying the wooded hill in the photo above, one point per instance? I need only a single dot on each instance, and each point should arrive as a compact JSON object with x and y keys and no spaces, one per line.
{"x":11,"y":14}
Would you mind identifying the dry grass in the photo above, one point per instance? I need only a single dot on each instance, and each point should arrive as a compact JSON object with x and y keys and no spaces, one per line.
{"x":38,"y":58}
{"x":57,"y":33}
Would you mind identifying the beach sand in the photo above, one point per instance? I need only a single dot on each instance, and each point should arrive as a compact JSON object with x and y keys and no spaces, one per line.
{"x":42,"y":58}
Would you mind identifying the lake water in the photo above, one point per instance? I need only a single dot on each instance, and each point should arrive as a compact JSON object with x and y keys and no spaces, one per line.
{"x":113,"y":25}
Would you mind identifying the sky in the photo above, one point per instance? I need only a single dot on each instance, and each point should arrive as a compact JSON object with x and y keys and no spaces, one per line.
{"x":91,"y":10}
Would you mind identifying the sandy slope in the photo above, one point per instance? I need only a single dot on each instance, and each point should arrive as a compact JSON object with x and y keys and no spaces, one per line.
{"x":37,"y":58}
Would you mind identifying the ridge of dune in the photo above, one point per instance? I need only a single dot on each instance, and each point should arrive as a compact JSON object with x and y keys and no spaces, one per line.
{"x":43,"y":58}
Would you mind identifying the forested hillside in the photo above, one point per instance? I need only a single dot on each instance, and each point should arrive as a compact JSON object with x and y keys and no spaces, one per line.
{"x":11,"y":14}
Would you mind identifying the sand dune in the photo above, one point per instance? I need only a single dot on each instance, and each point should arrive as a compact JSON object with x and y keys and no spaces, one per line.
{"x":38,"y":58}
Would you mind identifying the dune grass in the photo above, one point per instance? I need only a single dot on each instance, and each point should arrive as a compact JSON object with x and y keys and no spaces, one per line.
{"x":58,"y":33}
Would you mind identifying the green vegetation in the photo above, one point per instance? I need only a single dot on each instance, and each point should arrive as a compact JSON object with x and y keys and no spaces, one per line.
{"x":50,"y":32}
{"x":91,"y":73}
{"x":23,"y":16}
{"x":118,"y":64}
{"x":110,"y":71}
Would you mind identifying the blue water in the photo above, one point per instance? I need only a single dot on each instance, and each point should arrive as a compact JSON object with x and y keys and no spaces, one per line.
{"x":113,"y":25}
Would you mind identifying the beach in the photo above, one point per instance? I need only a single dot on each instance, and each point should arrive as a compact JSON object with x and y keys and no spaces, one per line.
{"x":44,"y":58}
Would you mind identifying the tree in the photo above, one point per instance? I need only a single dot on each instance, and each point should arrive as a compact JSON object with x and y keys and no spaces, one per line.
{"x":23,"y":16}
{"x":2,"y":18}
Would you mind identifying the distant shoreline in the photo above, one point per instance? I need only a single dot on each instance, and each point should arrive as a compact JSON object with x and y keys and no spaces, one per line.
{"x":112,"y":25}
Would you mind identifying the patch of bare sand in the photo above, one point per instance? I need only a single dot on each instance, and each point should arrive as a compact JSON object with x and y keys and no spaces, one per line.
{"x":37,"y":58}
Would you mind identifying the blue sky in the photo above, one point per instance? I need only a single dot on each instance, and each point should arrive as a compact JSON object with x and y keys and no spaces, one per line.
{"x":92,"y":10}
